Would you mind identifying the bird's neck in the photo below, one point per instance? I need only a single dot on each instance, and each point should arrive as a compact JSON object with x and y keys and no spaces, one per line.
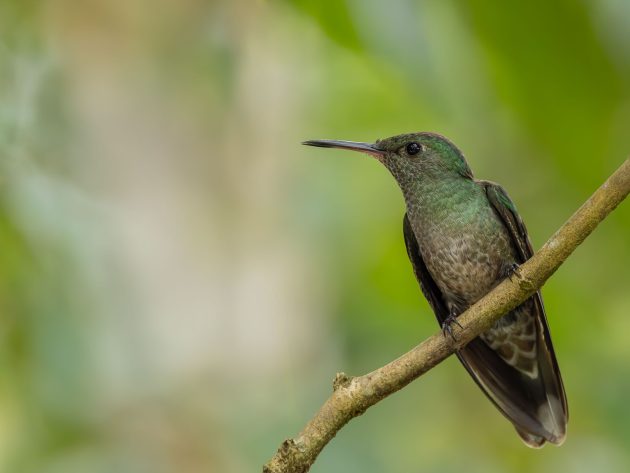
{"x":433,"y":200}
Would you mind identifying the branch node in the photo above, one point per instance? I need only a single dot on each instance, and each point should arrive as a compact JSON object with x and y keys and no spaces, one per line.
{"x":342,"y":380}
{"x":287,"y":445}
{"x":287,"y":458}
{"x":526,"y":283}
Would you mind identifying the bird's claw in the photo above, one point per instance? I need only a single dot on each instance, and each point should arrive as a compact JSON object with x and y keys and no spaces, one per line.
{"x":513,"y":270}
{"x":447,"y":326}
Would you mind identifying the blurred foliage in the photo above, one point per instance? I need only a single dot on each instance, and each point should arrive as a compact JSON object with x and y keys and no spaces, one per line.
{"x":180,"y":280}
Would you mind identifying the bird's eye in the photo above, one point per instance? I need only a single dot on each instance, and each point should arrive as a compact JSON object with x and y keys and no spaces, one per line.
{"x":413,"y":148}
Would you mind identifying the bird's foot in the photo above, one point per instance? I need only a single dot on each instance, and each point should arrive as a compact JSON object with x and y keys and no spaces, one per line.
{"x":447,"y":325}
{"x":512,"y":270}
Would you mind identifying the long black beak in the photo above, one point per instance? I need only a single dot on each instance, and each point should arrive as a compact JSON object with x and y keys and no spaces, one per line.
{"x":351,"y":145}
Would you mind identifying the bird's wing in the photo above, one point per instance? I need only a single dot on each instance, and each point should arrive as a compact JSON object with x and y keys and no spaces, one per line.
{"x":506,"y":387}
{"x":506,"y":210}
{"x":427,"y":284}
{"x":552,"y":410}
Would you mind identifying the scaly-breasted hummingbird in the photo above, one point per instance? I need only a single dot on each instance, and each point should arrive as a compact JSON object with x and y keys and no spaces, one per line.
{"x":463,"y":237}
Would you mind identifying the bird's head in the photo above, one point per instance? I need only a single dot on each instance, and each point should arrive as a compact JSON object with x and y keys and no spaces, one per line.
{"x":410,"y":156}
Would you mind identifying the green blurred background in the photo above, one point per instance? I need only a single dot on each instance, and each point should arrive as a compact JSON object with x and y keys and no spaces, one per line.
{"x":180,"y":279}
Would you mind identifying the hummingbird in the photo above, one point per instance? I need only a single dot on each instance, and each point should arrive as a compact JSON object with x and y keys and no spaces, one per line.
{"x":463,"y":237}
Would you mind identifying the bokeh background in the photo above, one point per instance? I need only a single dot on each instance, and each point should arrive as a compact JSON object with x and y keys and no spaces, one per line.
{"x":180,"y":279}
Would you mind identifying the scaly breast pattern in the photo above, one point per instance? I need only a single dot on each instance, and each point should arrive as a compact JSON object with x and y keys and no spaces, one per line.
{"x":465,"y":247}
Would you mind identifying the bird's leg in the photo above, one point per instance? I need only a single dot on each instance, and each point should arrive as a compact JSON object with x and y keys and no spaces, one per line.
{"x":448,"y":323}
{"x":510,"y":270}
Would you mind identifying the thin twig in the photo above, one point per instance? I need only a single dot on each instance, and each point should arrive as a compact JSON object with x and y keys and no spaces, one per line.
{"x":353,"y":396}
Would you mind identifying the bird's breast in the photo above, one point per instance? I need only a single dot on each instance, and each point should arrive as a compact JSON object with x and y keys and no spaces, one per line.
{"x":465,"y":254}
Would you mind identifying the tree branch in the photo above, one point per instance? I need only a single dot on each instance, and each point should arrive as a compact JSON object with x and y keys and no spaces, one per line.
{"x":353,"y":396}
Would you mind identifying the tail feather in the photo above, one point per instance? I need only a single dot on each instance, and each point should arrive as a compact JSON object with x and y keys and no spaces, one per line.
{"x":533,"y":441}
{"x":535,"y":405}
